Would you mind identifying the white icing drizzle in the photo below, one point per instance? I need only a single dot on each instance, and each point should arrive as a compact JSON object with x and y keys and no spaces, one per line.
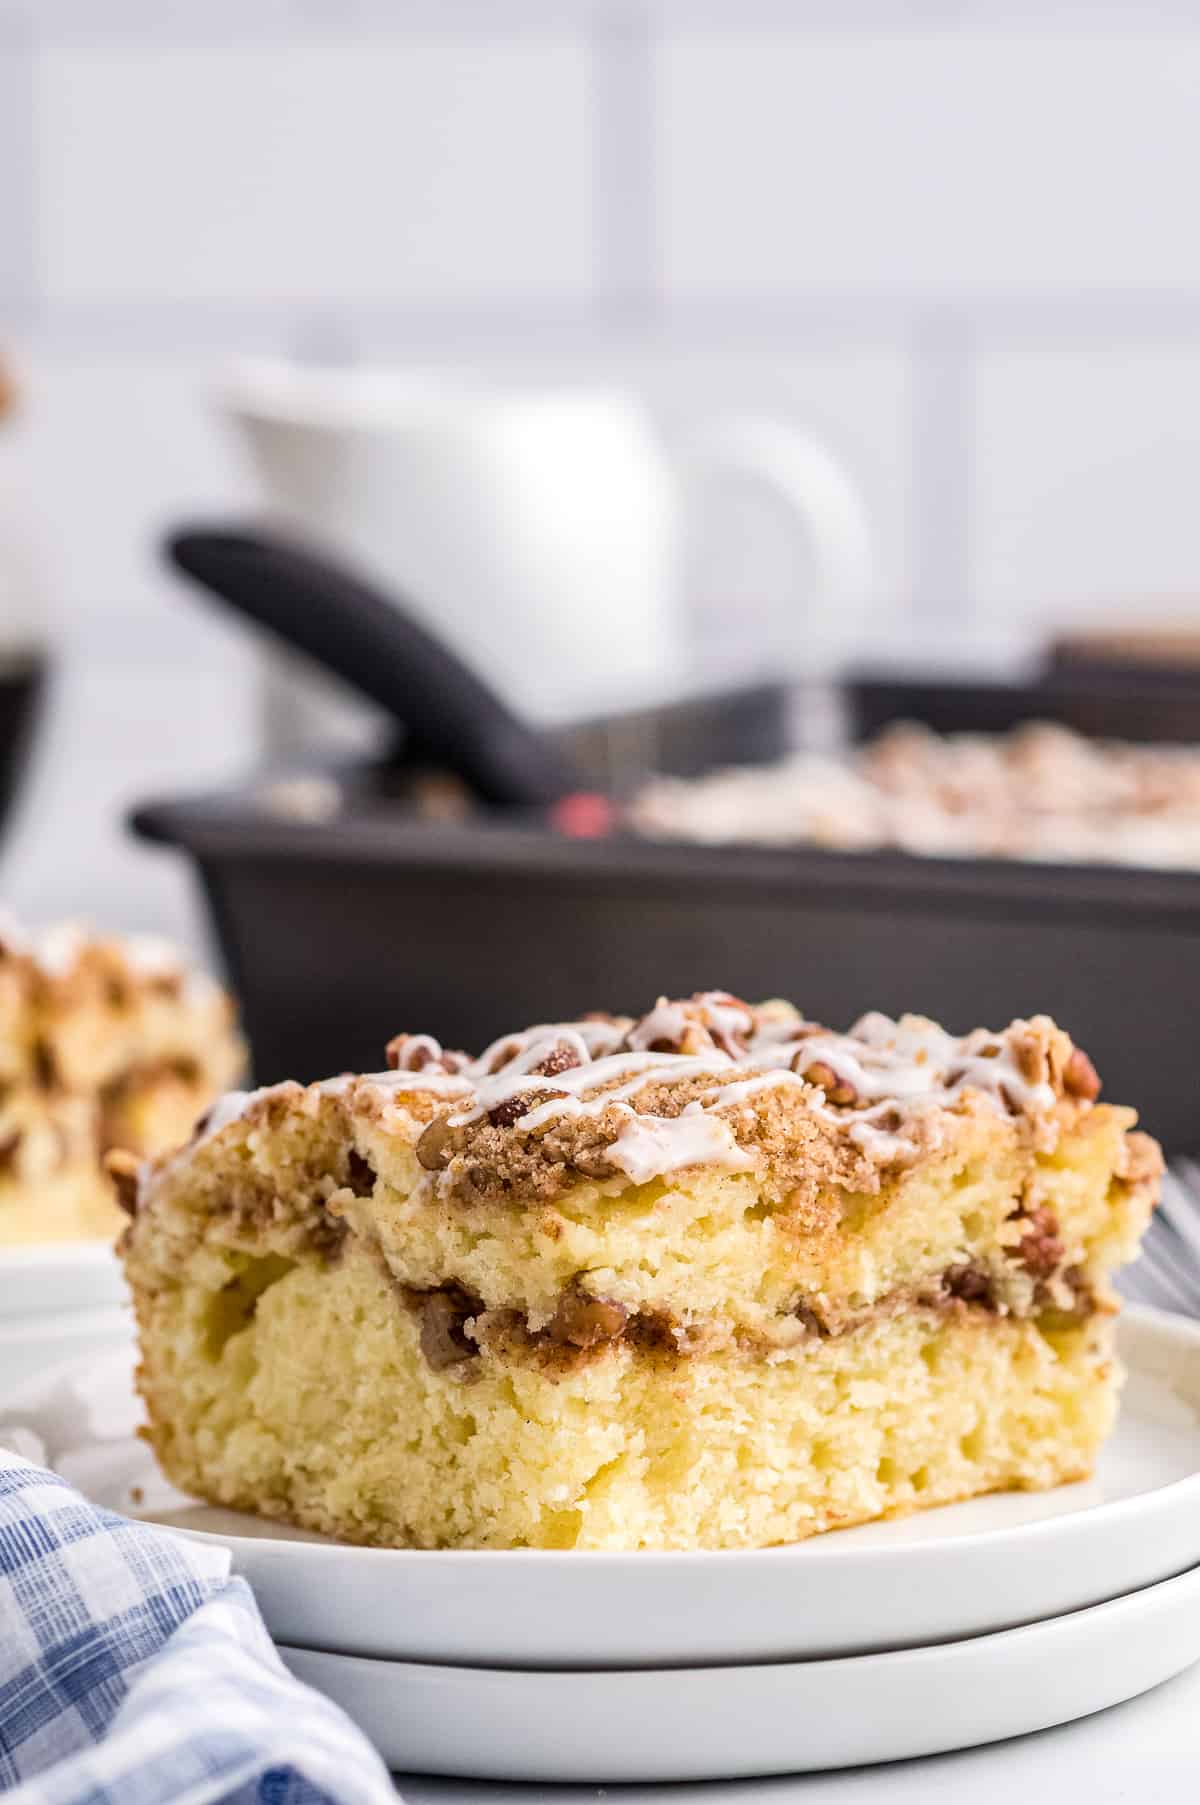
{"x":150,"y":956}
{"x":430,"y":1079}
{"x":57,"y":949}
{"x":649,"y":1146}
{"x":228,"y":1109}
{"x":899,"y":1071}
{"x":596,"y":1038}
{"x":898,"y":1075}
{"x":612,"y":1079}
{"x":740,"y":1089}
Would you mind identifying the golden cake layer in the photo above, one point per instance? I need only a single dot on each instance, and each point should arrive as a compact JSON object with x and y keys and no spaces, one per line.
{"x":718,"y":1277}
{"x":104,"y":1042}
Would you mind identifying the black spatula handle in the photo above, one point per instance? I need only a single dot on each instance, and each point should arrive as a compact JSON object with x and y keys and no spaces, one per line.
{"x":373,"y":643}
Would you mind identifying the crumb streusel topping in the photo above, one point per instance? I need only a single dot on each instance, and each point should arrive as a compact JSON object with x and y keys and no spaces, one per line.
{"x":1039,"y":792}
{"x":705,"y":1081}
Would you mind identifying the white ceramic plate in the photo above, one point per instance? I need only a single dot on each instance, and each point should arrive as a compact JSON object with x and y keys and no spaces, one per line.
{"x":39,"y":1345}
{"x":717,"y":1723}
{"x":968,"y":1569}
{"x":58,"y":1277}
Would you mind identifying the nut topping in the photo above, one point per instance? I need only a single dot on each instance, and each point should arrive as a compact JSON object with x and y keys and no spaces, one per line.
{"x":1030,"y":1057}
{"x":1080,"y":1077}
{"x":444,"y":1314}
{"x":433,"y":1148}
{"x":971,"y":1285}
{"x":584,"y":1322}
{"x":124,"y":1169}
{"x":1040,"y":1251}
{"x":819,"y":1072}
{"x":422,"y":1053}
{"x":560,"y":1058}
{"x":513,"y":1108}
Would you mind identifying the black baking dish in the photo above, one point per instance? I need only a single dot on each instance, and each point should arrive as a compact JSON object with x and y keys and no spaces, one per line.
{"x":1102,"y":703}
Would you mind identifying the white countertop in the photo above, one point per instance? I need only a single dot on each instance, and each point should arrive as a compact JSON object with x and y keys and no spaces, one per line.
{"x":1146,"y":1752}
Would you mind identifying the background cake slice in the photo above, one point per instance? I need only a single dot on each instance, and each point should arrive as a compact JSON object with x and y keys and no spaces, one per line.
{"x":714,"y":1278}
{"x":104,"y":1042}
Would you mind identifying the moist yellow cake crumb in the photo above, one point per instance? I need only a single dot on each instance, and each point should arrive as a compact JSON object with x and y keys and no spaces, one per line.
{"x":717,"y":1278}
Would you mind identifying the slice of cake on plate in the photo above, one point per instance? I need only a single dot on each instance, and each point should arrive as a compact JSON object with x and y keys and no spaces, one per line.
{"x":716,"y":1278}
{"x":105,"y":1041}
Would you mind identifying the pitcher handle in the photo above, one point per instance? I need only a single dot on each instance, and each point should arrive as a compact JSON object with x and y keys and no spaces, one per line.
{"x":821,"y":498}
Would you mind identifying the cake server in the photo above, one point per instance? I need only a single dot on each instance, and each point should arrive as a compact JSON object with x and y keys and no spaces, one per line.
{"x":1167,"y":1271}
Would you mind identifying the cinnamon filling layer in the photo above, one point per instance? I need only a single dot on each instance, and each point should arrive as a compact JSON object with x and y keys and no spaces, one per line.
{"x":457,"y":1328}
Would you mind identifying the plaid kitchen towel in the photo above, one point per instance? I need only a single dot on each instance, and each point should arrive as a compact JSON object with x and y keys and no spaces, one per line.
{"x":135,"y":1671}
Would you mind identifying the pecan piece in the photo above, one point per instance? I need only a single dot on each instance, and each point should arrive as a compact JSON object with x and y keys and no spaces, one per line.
{"x":513,"y":1108}
{"x":433,"y":1148}
{"x":584,"y":1322}
{"x":124,"y":1169}
{"x":812,"y":1322}
{"x":970,"y":1285}
{"x":692,"y":1040}
{"x":1030,"y":1059}
{"x":561,"y":1058}
{"x":422,"y":1053}
{"x":444,"y":1314}
{"x":715,"y":1007}
{"x":1080,"y":1077}
{"x":818,"y":1071}
{"x":1040,"y":1251}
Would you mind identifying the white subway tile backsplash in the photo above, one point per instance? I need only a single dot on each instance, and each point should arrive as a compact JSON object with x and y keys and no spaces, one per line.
{"x":381,"y":169}
{"x":1086,"y":472}
{"x":982,"y":163}
{"x":15,"y":178}
{"x":117,"y":449}
{"x":154,"y":692}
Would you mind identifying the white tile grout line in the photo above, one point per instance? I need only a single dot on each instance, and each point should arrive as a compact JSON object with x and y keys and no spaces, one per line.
{"x":18,"y":233}
{"x":776,"y":323}
{"x":623,"y":152}
{"x":214,"y":22}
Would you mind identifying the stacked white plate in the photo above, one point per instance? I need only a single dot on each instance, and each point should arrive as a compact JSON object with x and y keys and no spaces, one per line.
{"x":57,"y":1300}
{"x":944,"y":1630}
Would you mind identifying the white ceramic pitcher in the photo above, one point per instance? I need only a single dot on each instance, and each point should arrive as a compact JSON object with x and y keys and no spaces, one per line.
{"x":538,"y":531}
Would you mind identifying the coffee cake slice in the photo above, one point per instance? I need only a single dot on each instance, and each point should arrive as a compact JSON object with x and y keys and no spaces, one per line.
{"x":105,"y":1041}
{"x":714,"y":1278}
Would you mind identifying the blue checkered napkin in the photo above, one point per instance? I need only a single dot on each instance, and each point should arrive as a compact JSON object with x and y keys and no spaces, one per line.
{"x":135,"y":1671}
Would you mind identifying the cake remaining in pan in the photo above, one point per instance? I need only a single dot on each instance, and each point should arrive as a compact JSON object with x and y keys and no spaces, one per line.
{"x":1038,"y":792}
{"x":104,"y":1042}
{"x":714,"y":1278}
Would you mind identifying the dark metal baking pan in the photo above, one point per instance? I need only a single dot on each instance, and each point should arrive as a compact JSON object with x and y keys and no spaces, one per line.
{"x":1102,"y":703}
